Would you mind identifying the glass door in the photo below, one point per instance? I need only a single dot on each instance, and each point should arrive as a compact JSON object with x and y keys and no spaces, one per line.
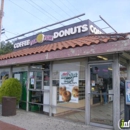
{"x":35,"y":90}
{"x":39,"y":87}
{"x":101,"y":94}
{"x":22,"y":77}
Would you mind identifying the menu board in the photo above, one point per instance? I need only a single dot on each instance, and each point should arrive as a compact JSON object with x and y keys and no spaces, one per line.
{"x":69,"y":86}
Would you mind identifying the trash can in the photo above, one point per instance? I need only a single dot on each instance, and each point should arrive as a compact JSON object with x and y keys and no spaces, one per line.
{"x":8,"y":106}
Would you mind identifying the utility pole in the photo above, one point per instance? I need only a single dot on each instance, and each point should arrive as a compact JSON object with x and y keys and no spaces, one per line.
{"x":1,"y":15}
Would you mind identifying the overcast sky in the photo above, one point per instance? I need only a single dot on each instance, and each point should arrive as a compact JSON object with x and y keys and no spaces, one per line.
{"x":21,"y":16}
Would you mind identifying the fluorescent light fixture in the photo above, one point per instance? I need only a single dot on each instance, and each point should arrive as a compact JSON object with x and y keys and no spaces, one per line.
{"x":101,"y":57}
{"x":109,"y":68}
{"x":104,"y":58}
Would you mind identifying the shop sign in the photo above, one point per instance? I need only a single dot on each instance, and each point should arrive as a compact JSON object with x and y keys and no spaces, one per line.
{"x":39,"y":39}
{"x":77,"y":29}
{"x":71,"y":31}
{"x":68,"y":32}
{"x":94,"y":30}
{"x":69,"y":86}
{"x":127,"y":93}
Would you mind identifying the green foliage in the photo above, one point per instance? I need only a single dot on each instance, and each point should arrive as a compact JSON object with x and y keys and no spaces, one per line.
{"x":11,"y":88}
{"x":6,"y":48}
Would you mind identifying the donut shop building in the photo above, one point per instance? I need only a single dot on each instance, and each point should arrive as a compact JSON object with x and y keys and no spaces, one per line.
{"x":63,"y":73}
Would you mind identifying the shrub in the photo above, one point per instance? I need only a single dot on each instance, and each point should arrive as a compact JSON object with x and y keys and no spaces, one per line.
{"x":11,"y":88}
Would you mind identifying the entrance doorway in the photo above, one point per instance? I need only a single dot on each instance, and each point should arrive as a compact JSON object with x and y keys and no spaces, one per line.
{"x":22,"y":77}
{"x":35,"y":90}
{"x":101,"y":94}
{"x":39,"y":88}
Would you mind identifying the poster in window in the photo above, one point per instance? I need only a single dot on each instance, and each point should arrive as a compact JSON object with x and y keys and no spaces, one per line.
{"x":32,"y":81}
{"x":69,"y":86}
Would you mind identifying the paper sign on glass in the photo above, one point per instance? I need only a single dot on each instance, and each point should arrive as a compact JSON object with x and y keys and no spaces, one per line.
{"x":32,"y":81}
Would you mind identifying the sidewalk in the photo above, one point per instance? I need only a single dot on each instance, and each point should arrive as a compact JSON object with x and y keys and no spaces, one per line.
{"x":6,"y":126}
{"x":34,"y":121}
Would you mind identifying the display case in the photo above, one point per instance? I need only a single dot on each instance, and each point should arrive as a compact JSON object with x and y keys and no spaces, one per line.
{"x":36,"y":96}
{"x":81,"y":89}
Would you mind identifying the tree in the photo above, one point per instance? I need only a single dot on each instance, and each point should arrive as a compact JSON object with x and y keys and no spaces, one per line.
{"x":6,"y":48}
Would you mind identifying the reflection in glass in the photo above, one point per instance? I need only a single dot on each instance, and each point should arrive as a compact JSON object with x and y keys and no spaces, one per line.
{"x":38,"y":84}
{"x":38,"y":75}
{"x":4,"y":75}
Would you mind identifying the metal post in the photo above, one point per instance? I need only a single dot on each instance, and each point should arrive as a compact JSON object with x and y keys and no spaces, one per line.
{"x":87,"y":93}
{"x":50,"y":94}
{"x":1,"y":15}
{"x":116,"y":88}
{"x":108,"y":24}
{"x":28,"y":85}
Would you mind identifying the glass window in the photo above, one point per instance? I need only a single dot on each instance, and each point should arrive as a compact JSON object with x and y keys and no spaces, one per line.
{"x":38,"y":84}
{"x":67,"y":70}
{"x":68,"y":79}
{"x":38,"y":75}
{"x":46,"y":78}
{"x":36,"y":80}
{"x":3,"y":76}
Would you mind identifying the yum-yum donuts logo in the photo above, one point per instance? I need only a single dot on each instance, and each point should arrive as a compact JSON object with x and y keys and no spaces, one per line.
{"x":41,"y":38}
{"x":68,"y":77}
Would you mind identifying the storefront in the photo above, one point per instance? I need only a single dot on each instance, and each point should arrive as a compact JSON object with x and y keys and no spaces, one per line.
{"x":70,"y":72}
